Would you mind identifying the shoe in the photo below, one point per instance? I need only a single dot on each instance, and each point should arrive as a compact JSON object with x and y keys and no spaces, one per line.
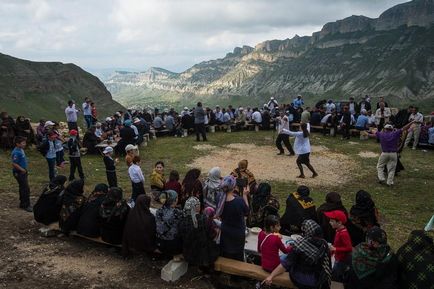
{"x":301,"y":177}
{"x":381,"y":182}
{"x":390,"y":185}
{"x":28,"y":209}
{"x":290,"y":155}
{"x":314,"y":175}
{"x":279,"y":154}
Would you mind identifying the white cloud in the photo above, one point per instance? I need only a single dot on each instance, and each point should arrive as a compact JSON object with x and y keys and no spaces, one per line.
{"x":168,"y":33}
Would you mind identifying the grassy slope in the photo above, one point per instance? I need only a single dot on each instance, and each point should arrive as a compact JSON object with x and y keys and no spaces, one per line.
{"x":405,"y":207}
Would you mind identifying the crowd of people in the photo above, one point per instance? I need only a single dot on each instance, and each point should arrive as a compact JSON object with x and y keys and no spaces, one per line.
{"x":201,"y":220}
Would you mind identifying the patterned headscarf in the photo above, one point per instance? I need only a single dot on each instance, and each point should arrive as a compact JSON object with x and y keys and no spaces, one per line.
{"x":228,"y":185}
{"x":190,"y":207}
{"x":168,"y":197}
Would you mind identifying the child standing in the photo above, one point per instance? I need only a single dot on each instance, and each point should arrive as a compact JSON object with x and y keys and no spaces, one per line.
{"x":269,"y":244}
{"x":19,"y":170}
{"x":342,"y":246}
{"x":110,"y":167}
{"x":137,"y":178}
{"x":74,"y":155}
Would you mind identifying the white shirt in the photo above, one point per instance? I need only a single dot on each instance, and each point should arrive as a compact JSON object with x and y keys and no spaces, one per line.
{"x":98,"y":132}
{"x":283,"y":124}
{"x":71,"y":113}
{"x":87,"y":110}
{"x":135,"y":173}
{"x":386,"y":114}
{"x":417,"y":118}
{"x":257,"y":117}
{"x":301,"y":144}
{"x":330,"y":107}
{"x":326,"y":118}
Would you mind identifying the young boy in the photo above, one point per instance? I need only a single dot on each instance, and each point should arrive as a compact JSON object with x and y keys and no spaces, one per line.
{"x":19,"y":170}
{"x":137,"y":178}
{"x":110,"y":167}
{"x":342,"y":246}
{"x":131,"y":153}
{"x":74,"y":155}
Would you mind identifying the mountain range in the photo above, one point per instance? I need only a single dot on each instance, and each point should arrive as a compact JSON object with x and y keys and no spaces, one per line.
{"x":42,"y":89}
{"x":391,"y":56}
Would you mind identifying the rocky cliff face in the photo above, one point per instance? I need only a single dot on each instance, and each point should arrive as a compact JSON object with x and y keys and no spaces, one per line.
{"x":392,"y":55}
{"x":42,"y":89}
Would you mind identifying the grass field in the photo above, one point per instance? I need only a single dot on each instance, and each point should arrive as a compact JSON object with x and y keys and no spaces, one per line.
{"x":405,"y":207}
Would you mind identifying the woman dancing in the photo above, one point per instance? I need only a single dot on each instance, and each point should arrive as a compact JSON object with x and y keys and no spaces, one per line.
{"x":302,"y":148}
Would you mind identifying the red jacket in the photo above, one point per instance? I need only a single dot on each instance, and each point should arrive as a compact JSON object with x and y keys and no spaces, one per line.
{"x":342,"y":244}
{"x":270,"y":250}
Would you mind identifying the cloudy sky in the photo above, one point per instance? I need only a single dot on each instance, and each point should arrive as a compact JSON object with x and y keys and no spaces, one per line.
{"x":173,"y":34}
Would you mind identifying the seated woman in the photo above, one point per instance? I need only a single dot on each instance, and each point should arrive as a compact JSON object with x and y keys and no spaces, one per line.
{"x":263,"y":205}
{"x":244,"y":178}
{"x":89,"y":224}
{"x":416,"y":260}
{"x":173,"y":183}
{"x":299,"y":207}
{"x":212,"y":190}
{"x":191,"y":186}
{"x":363,"y":216}
{"x":308,"y":260}
{"x":90,"y":141}
{"x":232,"y":210}
{"x":157,"y":179}
{"x":113,"y":214}
{"x":47,"y":208}
{"x":71,"y":203}
{"x":140,"y":229}
{"x":332,"y":202}
{"x":198,"y":247}
{"x":373,"y":265}
{"x":167,"y":219}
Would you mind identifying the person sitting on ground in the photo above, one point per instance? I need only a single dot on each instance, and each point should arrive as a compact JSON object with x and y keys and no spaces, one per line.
{"x":212,"y":190}
{"x":140,"y":229}
{"x":137,"y":179}
{"x":332,"y":202}
{"x":416,"y":260}
{"x":173,"y":183}
{"x":232,"y":210}
{"x":198,"y":247}
{"x":244,"y":177}
{"x":362,"y":122}
{"x":89,"y":223}
{"x":167,"y":220}
{"x":157,"y":179}
{"x":23,"y":128}
{"x":363,"y":215}
{"x":342,"y":246}
{"x":191,"y":186}
{"x":299,"y":207}
{"x":90,"y":141}
{"x":264,"y":204}
{"x":113,"y":214}
{"x":270,"y":243}
{"x":374,"y":265}
{"x":47,"y":208}
{"x":72,"y":201}
{"x":308,"y":260}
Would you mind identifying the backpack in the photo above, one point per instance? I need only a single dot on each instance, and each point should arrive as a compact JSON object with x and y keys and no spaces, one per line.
{"x":43,"y":147}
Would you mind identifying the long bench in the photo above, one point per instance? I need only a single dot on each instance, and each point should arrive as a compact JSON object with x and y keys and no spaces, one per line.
{"x":234,"y":267}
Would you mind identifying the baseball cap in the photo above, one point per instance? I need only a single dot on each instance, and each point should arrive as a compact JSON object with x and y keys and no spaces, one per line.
{"x":388,"y":126}
{"x":73,"y":132}
{"x":130,"y":147}
{"x":48,"y":123}
{"x":185,"y":108}
{"x":108,"y":150}
{"x":336,"y":215}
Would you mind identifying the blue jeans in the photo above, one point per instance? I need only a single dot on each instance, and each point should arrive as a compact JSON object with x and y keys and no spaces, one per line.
{"x":51,"y":168}
{"x":88,"y":119}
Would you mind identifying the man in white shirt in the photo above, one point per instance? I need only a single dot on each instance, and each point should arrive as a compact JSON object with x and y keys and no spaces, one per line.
{"x":71,"y":115}
{"x":218,"y":115}
{"x":87,"y":112}
{"x":414,"y":130}
{"x":256,"y":116}
{"x":382,"y":116}
{"x":330,"y":106}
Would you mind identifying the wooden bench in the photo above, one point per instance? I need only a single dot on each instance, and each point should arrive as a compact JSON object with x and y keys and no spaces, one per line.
{"x":234,"y":267}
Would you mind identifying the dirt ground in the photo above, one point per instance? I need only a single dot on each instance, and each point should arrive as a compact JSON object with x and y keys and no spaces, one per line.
{"x":332,"y":167}
{"x":29,"y":260}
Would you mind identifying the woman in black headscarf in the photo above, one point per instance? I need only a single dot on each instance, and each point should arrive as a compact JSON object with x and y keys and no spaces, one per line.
{"x":363,"y":216}
{"x":71,"y":204}
{"x":7,"y":131}
{"x":89,"y":224}
{"x":140,"y":233}
{"x":113,"y":214}
{"x":263,"y":204}
{"x":47,"y":208}
{"x":24,"y":129}
{"x":299,"y":207}
{"x":333,"y":202}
